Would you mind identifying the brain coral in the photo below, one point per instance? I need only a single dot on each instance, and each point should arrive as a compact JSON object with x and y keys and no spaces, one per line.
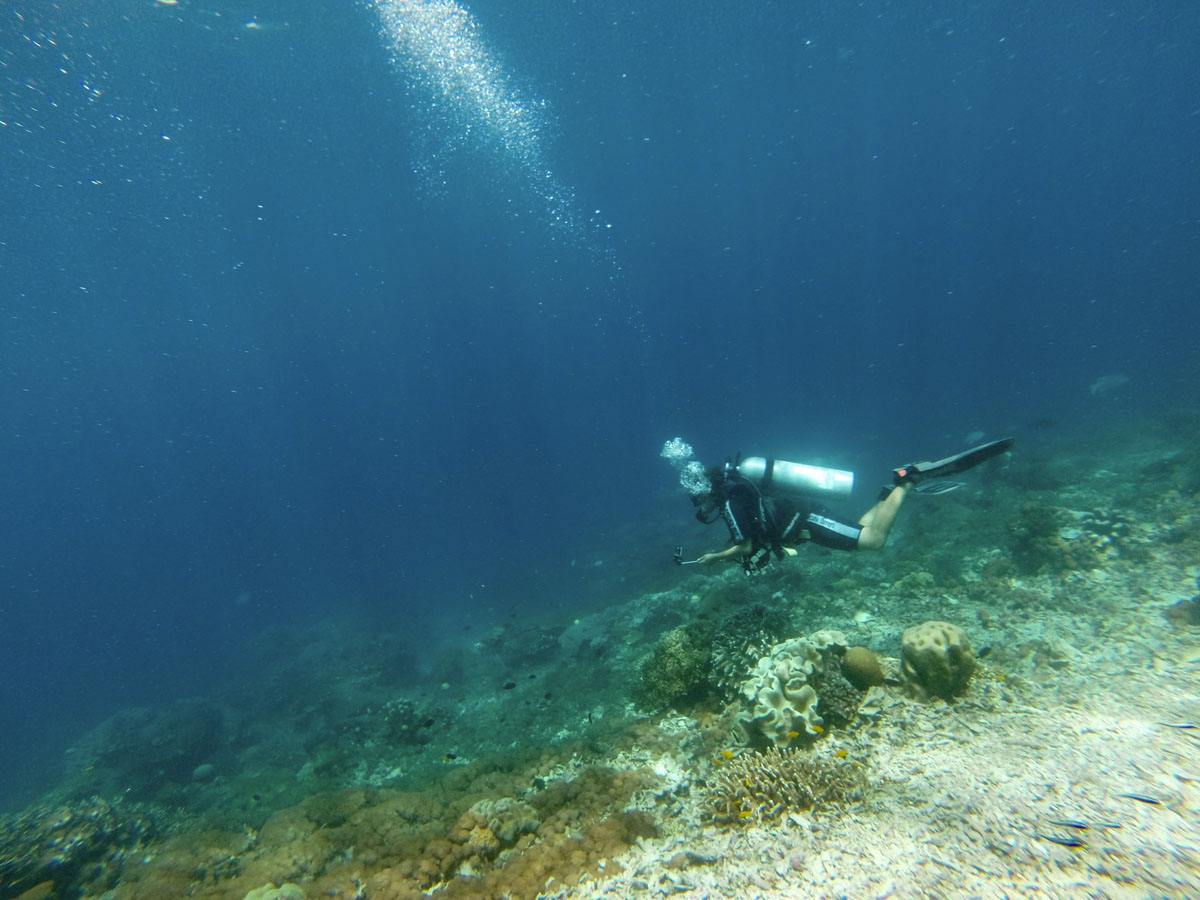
{"x":937,"y":660}
{"x":779,"y":698}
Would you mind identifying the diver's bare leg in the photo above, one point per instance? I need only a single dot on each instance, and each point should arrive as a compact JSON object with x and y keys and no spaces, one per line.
{"x":877,"y":521}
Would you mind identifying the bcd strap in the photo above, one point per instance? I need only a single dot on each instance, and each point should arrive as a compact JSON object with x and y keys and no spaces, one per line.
{"x":768,"y":475}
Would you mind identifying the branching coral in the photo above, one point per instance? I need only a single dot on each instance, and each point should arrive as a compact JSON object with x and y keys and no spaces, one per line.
{"x":741,"y":639}
{"x":759,"y":787}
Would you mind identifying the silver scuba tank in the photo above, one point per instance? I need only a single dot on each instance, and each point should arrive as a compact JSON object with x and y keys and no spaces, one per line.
{"x":782,"y":477}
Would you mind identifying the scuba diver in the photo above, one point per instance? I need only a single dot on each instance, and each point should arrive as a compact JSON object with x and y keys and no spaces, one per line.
{"x":770,"y":506}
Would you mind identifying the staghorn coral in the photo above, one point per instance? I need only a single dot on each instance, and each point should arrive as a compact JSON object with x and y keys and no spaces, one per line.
{"x":760,"y":787}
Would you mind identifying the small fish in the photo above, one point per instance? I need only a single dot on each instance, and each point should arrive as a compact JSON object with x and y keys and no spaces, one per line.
{"x":1182,"y":726}
{"x":818,"y":729}
{"x":1142,"y":798}
{"x":450,"y":757}
{"x":718,"y":761}
{"x":841,"y":754}
{"x":1066,"y":841}
{"x":792,"y":735}
{"x":727,"y":754}
{"x":1071,"y":823}
{"x":509,"y":685}
{"x":745,"y":814}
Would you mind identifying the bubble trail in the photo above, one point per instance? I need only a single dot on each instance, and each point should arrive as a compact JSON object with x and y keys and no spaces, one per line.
{"x":438,"y":43}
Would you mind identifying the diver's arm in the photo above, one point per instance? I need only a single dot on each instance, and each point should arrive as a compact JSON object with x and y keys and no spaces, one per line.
{"x":736,"y":550}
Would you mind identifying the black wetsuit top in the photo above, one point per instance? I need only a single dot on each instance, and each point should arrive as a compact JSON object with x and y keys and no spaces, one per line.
{"x":772,"y":522}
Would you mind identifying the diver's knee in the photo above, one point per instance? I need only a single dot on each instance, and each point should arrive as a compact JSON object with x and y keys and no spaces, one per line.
{"x":871,"y":539}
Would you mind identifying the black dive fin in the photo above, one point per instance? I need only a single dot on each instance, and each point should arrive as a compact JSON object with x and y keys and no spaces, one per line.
{"x":952,"y":465}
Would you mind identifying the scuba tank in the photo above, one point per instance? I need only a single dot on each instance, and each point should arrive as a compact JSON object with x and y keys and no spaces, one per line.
{"x":778,"y":476}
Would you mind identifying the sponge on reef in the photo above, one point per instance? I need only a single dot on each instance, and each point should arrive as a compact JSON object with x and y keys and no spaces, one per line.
{"x":862,"y":668}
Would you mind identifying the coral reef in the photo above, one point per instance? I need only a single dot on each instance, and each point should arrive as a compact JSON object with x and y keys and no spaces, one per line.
{"x":1034,"y":544}
{"x":758,"y":787}
{"x":742,"y":638}
{"x":1047,"y":540}
{"x":285,"y":891}
{"x":510,"y":761}
{"x":838,"y":699}
{"x":677,"y":669}
{"x":506,"y":818}
{"x":1185,"y":612}
{"x":139,"y":751}
{"x":779,"y":697}
{"x":520,"y":644}
{"x":524,"y":831}
{"x":71,"y":847}
{"x":937,"y":660}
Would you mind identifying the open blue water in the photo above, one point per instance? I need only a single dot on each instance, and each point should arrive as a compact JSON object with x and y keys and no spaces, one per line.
{"x":303,"y":313}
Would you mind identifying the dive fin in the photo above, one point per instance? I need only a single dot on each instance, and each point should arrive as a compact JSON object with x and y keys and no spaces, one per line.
{"x":936,"y":488}
{"x":951,"y":465}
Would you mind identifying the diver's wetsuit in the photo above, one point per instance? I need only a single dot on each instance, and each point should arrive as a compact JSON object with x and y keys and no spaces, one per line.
{"x":772,"y":522}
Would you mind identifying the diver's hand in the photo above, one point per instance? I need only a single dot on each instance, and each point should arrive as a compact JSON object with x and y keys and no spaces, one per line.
{"x":737,"y":550}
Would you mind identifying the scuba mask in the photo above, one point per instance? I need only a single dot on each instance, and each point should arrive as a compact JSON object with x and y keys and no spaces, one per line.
{"x":708,"y":504}
{"x":708,"y":507}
